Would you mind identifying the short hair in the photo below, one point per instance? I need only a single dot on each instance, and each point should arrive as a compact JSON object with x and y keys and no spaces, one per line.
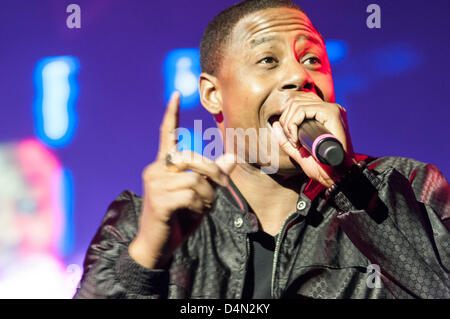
{"x":218,"y":31}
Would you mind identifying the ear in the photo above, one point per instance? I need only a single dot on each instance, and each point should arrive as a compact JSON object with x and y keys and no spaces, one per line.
{"x":210,"y":95}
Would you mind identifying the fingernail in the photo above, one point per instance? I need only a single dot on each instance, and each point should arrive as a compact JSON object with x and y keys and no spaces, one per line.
{"x":175,"y":94}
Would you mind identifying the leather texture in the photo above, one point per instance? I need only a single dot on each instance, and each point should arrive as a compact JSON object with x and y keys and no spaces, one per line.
{"x":324,"y":250}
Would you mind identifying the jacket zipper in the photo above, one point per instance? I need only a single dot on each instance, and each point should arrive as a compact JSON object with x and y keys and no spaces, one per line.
{"x":277,"y":251}
{"x":247,"y":241}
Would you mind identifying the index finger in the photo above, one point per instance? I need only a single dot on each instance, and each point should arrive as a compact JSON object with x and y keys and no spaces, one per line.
{"x":167,"y":138}
{"x":308,"y":96}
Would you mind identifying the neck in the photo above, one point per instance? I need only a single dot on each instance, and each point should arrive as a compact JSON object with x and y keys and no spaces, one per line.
{"x":272,"y":197}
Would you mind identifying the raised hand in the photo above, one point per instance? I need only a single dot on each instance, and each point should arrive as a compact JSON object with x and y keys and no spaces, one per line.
{"x":174,"y":200}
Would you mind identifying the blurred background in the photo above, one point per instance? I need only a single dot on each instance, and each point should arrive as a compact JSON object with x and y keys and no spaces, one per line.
{"x":80,"y":108}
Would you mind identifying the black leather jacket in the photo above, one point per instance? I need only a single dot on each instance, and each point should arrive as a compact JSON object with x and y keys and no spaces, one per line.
{"x":323,"y":250}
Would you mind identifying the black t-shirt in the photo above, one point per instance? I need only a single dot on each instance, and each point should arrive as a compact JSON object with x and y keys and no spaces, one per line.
{"x":259,"y":275}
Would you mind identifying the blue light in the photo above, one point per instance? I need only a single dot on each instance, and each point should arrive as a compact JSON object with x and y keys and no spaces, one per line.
{"x":394,"y":59}
{"x":67,"y":242}
{"x":336,"y":50}
{"x":54,"y":107}
{"x":181,"y":73}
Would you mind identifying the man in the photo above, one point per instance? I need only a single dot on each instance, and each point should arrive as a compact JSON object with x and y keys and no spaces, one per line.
{"x":225,"y":230}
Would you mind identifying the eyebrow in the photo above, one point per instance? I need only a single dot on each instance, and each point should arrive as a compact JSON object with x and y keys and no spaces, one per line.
{"x":255,"y":42}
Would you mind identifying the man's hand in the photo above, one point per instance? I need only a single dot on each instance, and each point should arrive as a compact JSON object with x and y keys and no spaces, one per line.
{"x":175,"y":200}
{"x":307,"y":105}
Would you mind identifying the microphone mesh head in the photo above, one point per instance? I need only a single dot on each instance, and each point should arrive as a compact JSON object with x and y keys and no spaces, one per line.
{"x":330,"y":153}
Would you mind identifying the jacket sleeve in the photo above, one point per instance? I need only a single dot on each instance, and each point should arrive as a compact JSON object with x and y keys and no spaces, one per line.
{"x":404,"y":229}
{"x":109,"y":271}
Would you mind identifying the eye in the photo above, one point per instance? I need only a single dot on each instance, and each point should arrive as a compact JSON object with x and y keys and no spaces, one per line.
{"x":268,"y":60}
{"x":312,"y":61}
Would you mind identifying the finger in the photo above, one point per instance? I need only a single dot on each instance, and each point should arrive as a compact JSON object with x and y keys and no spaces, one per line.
{"x":293,"y":124}
{"x":309,"y":96}
{"x":202,"y":165}
{"x":168,"y":126}
{"x":312,"y":111}
{"x":293,"y":119}
{"x":284,"y":121}
{"x":322,"y":113}
{"x":329,"y":115}
{"x":284,"y":113}
{"x":186,"y":198}
{"x":195,"y":181}
{"x":284,"y":143}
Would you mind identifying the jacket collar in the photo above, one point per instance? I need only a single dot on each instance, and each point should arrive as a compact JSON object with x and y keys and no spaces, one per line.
{"x":232,"y":209}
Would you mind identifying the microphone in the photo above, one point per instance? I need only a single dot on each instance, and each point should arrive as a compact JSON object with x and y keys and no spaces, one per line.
{"x":324,"y":146}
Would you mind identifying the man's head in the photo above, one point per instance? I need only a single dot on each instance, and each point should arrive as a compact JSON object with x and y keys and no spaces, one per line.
{"x":218,"y":31}
{"x":257,"y":55}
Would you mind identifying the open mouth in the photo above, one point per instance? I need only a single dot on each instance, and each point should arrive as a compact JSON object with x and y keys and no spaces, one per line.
{"x":273,"y":118}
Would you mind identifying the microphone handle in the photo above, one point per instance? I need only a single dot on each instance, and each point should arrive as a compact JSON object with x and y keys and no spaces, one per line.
{"x":324,"y":146}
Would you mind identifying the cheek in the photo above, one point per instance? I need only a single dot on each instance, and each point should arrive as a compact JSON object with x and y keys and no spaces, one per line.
{"x":241,"y":102}
{"x":325,"y":83}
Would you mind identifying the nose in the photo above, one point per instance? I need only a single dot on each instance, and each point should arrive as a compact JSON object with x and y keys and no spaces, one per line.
{"x":296,"y":78}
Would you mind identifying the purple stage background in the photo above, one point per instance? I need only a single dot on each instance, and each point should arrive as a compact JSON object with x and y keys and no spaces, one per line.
{"x":392,"y":81}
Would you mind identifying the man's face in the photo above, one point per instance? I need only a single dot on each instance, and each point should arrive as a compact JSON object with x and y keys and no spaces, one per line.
{"x":273,"y":55}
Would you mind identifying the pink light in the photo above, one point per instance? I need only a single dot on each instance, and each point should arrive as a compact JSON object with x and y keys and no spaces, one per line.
{"x":43,"y":171}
